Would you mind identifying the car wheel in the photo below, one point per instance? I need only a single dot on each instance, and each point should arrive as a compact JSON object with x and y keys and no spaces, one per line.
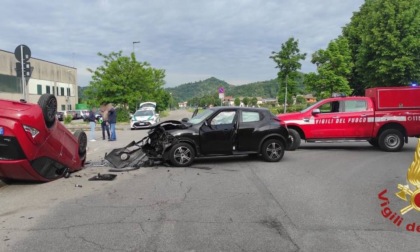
{"x":391,"y":140}
{"x":48,"y":104}
{"x":374,"y":142}
{"x":294,"y":135}
{"x":272,"y":150}
{"x":181,"y":155}
{"x":82,"y":141}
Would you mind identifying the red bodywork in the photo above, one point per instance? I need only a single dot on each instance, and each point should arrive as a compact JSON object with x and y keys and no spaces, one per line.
{"x":43,"y":157}
{"x":359,"y":118}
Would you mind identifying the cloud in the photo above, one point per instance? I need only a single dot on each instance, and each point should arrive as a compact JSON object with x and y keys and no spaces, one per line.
{"x":231,"y":40}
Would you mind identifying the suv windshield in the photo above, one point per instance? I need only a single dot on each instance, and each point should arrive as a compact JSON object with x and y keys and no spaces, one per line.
{"x":201,"y":116}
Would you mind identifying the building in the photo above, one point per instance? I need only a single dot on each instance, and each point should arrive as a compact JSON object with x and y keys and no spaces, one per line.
{"x":309,"y":98}
{"x":47,"y":77}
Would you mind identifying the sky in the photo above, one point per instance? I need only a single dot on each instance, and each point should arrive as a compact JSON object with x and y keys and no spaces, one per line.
{"x":191,"y":40}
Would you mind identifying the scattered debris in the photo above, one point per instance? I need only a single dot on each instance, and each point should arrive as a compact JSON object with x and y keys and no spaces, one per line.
{"x":108,"y":177}
{"x":76,"y":185}
{"x":147,"y":152}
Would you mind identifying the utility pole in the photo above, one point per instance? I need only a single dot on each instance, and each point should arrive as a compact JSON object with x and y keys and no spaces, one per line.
{"x":135,"y":42}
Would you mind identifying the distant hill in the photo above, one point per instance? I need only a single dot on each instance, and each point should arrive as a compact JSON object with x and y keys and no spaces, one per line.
{"x":265,"y":89}
{"x":210,"y":86}
{"x":200,"y":88}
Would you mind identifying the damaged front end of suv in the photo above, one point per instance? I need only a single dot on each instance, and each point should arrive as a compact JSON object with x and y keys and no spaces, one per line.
{"x":148,"y":151}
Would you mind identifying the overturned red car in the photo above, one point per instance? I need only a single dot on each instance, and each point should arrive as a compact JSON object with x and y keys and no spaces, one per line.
{"x":34,"y":145}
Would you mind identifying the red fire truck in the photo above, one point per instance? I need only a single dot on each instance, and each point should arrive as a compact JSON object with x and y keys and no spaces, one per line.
{"x":385,"y":117}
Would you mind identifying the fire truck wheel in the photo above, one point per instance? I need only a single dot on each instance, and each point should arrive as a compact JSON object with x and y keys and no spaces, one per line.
{"x":391,"y":140}
{"x":295,"y":140}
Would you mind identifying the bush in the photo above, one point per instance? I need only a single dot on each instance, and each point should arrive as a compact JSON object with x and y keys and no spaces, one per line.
{"x":123,"y":115}
{"x":68,"y":119}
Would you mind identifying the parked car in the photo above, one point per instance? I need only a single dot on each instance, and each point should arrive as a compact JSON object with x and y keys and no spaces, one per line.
{"x":60,"y":116}
{"x":84,"y":114}
{"x":144,"y":118}
{"x":215,"y":131}
{"x":34,"y":146}
{"x":72,"y":113}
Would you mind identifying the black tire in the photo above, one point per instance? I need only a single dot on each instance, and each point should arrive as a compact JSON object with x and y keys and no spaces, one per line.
{"x":181,"y":155}
{"x":272,"y":150}
{"x":391,"y":140}
{"x":48,"y":104}
{"x":295,"y":140}
{"x":82,"y":141}
{"x":374,"y":142}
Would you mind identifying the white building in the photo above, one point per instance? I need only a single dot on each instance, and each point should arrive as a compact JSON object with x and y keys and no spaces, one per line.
{"x":47,"y":77}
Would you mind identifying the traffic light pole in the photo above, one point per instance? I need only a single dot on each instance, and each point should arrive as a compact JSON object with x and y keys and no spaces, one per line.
{"x":23,"y":73}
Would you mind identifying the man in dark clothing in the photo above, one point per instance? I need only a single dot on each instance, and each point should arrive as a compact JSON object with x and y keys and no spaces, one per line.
{"x":105,"y":128}
{"x":103,"y":120}
{"x":112,"y":121}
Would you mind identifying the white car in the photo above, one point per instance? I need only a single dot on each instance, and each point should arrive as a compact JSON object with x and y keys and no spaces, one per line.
{"x":144,"y":118}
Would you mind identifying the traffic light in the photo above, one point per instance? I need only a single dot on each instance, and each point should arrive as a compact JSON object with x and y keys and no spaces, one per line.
{"x":27,"y":71}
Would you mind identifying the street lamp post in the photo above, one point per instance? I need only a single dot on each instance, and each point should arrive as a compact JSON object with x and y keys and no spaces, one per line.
{"x":135,"y":42}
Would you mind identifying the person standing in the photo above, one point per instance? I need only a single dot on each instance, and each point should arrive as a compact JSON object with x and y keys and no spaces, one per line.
{"x":103,"y":120}
{"x":92,"y":124}
{"x":112,"y":121}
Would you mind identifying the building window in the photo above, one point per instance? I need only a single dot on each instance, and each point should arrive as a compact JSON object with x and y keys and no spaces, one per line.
{"x":56,"y":92}
{"x":63,"y":107}
{"x":39,"y":89}
{"x":48,"y":90}
{"x":62,"y":91}
{"x":10,"y":84}
{"x":68,"y":92}
{"x":69,"y":107}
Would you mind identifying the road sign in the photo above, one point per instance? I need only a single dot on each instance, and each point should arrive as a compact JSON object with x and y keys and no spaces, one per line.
{"x":26,"y":69}
{"x":221,"y":90}
{"x":221,"y":95}
{"x":22,"y":53}
{"x":23,"y":68}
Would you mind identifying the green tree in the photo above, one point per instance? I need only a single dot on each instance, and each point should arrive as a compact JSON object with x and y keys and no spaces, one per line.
{"x":254,"y":101}
{"x":334,"y":67}
{"x":125,"y":81}
{"x":385,"y":43}
{"x":237,"y":101}
{"x":300,"y":99}
{"x":245,"y":101}
{"x":287,"y":60}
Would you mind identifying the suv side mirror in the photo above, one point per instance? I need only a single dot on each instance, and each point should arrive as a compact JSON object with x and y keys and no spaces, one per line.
{"x":316,"y":111}
{"x":184,"y":120}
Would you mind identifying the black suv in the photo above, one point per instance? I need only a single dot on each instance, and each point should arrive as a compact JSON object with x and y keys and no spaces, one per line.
{"x":212,"y":132}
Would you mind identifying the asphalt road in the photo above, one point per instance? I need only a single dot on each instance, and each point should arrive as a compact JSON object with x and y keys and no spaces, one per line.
{"x":322,"y":197}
